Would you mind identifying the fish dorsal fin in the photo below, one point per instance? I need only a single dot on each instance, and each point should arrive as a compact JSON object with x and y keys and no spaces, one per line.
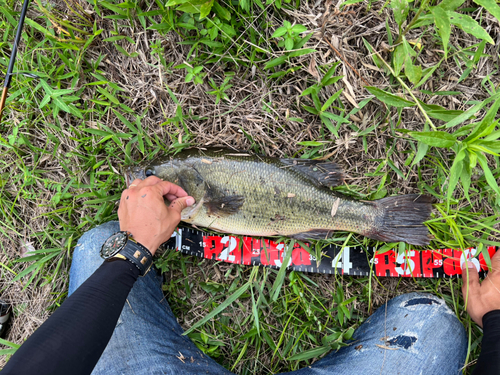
{"x":320,"y":172}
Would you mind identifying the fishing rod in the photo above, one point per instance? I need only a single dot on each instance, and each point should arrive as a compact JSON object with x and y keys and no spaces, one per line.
{"x":12,"y":60}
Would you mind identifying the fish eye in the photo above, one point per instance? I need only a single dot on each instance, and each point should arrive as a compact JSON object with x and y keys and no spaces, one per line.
{"x":149,"y":172}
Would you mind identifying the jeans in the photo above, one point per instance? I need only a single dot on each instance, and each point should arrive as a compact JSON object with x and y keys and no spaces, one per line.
{"x":412,"y":334}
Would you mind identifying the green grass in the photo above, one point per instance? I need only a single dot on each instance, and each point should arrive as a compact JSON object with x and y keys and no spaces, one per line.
{"x":120,"y":82}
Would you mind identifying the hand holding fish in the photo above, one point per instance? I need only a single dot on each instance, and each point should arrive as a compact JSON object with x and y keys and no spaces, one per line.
{"x":143,"y":212}
{"x":481,"y":297}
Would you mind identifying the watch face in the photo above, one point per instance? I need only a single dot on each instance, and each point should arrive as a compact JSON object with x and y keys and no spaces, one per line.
{"x":113,"y":245}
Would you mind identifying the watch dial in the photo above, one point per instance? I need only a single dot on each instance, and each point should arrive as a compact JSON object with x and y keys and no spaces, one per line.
{"x":113,"y":244}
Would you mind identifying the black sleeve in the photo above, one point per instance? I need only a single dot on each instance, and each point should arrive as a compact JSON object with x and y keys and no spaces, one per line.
{"x":489,"y":359}
{"x":72,"y":340}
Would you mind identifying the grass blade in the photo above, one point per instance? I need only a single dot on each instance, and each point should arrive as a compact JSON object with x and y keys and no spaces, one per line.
{"x":237,"y":294}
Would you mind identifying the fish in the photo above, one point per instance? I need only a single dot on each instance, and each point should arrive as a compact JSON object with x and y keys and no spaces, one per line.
{"x":247,"y":194}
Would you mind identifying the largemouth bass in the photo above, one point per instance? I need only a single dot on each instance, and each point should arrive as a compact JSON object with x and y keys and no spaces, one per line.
{"x":255,"y":195}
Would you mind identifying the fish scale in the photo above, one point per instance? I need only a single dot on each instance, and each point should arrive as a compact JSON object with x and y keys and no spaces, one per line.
{"x":269,"y":208}
{"x":263,"y":196}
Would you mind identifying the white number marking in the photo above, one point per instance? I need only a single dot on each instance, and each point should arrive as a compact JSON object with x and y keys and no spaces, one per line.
{"x":343,"y":261}
{"x":226,"y":253}
{"x":470,"y":254}
{"x":404,"y":258}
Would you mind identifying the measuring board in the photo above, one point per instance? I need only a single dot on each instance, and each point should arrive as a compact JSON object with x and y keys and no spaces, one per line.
{"x":442,"y":263}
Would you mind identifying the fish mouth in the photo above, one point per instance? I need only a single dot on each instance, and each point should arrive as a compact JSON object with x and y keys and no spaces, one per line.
{"x":133,"y":173}
{"x":127,"y":179}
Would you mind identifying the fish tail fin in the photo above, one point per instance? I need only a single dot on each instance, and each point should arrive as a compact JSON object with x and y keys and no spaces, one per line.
{"x":403,"y":219}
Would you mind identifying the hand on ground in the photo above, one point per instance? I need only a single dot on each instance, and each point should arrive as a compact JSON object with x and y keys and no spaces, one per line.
{"x":144,"y":213}
{"x":485,"y":296}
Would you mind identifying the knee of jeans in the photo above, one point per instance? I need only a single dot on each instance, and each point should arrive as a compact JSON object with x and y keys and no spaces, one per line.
{"x":423,"y":304}
{"x":423,"y":310}
{"x":418,"y":301}
{"x":97,"y":235}
{"x":404,"y":341}
{"x":409,"y":321}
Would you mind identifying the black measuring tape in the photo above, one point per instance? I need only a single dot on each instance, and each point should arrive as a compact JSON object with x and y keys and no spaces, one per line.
{"x":441,"y":263}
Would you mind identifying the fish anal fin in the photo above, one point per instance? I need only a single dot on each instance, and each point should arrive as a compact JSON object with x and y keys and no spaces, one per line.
{"x":225,"y":206}
{"x":313,"y":234}
{"x":320,"y":172}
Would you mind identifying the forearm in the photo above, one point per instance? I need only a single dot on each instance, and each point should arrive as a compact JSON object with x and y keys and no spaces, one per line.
{"x":489,"y":359}
{"x":72,"y":340}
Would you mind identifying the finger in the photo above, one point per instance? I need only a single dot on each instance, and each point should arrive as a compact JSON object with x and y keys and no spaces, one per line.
{"x":495,"y":263}
{"x":181,"y":203}
{"x":470,"y":276}
{"x":135,"y":183}
{"x":150,"y":181}
{"x":167,"y":188}
{"x":171,"y":197}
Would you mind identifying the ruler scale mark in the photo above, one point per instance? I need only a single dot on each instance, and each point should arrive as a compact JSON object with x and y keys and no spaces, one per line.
{"x":441,"y":263}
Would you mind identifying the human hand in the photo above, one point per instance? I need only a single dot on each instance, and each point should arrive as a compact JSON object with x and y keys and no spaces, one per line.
{"x":481,"y":297}
{"x":143,"y":212}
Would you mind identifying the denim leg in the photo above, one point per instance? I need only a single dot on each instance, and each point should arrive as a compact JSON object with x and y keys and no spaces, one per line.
{"x":412,"y":334}
{"x":147,"y":338}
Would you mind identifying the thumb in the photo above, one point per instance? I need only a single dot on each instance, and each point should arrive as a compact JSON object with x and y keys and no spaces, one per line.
{"x":470,"y":285}
{"x":181,"y":203}
{"x":495,"y":263}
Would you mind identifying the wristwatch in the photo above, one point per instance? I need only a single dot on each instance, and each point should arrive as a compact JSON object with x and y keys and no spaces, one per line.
{"x":122,"y":245}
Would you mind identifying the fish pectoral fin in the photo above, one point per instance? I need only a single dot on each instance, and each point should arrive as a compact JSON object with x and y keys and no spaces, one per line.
{"x":225,"y":206}
{"x":313,"y":234}
{"x":319,"y":172}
